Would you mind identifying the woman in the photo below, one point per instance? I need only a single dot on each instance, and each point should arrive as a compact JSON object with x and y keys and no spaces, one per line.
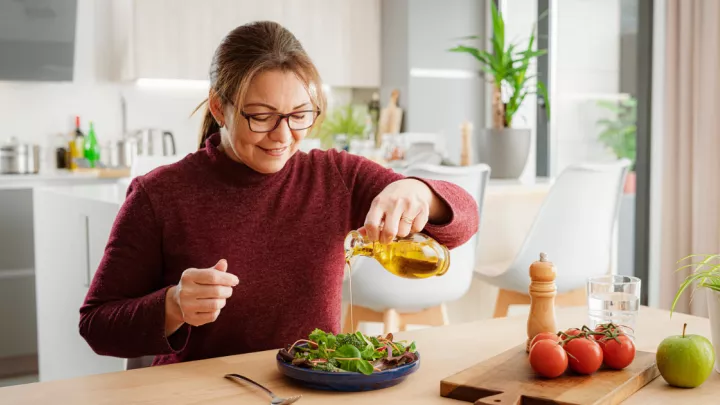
{"x":239,"y":246}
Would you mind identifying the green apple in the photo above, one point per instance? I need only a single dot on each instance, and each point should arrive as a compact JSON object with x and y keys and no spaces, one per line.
{"x":685,"y":361}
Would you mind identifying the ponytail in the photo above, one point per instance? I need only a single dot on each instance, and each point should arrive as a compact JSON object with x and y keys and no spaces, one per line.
{"x":209,"y":126}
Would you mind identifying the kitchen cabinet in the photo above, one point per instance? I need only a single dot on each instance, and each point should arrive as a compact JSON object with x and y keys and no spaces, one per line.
{"x":18,"y":340}
{"x":37,"y":40}
{"x":166,"y":39}
{"x":70,"y":235}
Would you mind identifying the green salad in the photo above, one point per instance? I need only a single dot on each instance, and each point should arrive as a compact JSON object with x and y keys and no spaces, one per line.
{"x":348,"y":353}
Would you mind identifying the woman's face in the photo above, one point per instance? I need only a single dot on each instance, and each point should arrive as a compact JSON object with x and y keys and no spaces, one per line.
{"x":270,"y":92}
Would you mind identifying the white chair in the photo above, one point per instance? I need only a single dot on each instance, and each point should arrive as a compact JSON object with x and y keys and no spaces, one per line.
{"x":575,"y":227}
{"x":379,"y":296}
{"x":423,"y":147}
{"x":410,"y":138}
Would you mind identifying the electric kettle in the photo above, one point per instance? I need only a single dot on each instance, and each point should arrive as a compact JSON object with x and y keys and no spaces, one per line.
{"x":152,"y":142}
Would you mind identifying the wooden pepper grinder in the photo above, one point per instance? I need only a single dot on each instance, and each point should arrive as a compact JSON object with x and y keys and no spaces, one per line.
{"x":542,"y":298}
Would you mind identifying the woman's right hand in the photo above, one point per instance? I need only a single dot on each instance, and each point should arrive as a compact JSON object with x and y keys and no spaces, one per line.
{"x":198,"y":297}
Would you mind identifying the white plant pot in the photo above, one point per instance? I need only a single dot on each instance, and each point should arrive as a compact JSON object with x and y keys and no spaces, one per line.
{"x":713,"y":298}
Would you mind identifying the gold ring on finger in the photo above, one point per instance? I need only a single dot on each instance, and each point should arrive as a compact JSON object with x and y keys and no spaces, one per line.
{"x":406,"y":219}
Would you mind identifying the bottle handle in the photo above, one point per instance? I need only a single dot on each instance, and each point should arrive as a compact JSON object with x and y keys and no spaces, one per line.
{"x":352,"y":239}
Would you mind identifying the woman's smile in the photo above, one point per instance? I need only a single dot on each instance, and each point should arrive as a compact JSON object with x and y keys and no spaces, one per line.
{"x":274,"y":152}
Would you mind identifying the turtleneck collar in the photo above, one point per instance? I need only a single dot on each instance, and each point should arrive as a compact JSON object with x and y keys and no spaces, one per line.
{"x":235,"y":172}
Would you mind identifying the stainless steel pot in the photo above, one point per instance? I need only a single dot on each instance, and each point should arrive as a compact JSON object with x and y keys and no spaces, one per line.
{"x":19,"y":158}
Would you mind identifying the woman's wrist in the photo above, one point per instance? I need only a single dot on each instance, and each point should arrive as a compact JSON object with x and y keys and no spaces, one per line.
{"x":440,"y":212}
{"x":173,"y":314}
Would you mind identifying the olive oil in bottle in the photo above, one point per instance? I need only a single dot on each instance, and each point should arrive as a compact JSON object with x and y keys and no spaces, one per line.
{"x":416,"y":256}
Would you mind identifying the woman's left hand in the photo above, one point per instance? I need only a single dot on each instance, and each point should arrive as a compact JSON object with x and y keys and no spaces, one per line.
{"x":404,"y":206}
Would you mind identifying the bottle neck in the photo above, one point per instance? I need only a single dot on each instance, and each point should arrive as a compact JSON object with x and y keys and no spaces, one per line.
{"x":356,"y":245}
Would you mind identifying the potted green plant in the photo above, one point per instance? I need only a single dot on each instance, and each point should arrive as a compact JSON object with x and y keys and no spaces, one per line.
{"x":619,"y":134}
{"x":505,"y":147}
{"x":348,"y":121}
{"x":705,"y":274}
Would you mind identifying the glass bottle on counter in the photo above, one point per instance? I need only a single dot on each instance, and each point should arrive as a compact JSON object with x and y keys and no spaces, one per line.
{"x":76,"y":145}
{"x":61,"y":152}
{"x":415,"y":256}
{"x":374,"y":112}
{"x":91,"y":147}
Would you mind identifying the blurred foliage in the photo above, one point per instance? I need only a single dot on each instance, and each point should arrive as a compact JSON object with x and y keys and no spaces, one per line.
{"x":619,"y":134}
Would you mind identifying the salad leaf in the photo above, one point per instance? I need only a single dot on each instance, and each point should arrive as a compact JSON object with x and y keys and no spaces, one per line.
{"x":368,"y":353}
{"x":364,"y":367}
{"x":399,"y":349}
{"x":322,"y":338}
{"x":351,"y":359}
{"x":347,"y":351}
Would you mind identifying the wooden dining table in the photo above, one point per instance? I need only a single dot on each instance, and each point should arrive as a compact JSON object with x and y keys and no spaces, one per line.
{"x":444,"y":351}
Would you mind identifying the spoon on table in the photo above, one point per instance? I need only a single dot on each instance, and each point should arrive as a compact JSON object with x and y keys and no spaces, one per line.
{"x":275,"y":400}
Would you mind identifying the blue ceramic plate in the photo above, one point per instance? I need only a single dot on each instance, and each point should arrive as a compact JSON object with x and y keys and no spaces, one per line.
{"x":347,"y":382}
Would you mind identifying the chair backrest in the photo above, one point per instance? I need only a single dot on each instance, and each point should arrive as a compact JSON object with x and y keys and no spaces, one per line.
{"x":473,"y":179}
{"x":575,"y":224}
{"x":423,"y":140}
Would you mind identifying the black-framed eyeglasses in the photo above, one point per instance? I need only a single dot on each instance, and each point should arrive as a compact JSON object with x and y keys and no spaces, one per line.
{"x":265,"y":122}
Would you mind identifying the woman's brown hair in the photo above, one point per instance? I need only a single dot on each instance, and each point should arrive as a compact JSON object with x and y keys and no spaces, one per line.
{"x":251,"y":49}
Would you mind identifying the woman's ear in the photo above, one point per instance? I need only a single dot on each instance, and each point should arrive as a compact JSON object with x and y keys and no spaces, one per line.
{"x":216,"y":108}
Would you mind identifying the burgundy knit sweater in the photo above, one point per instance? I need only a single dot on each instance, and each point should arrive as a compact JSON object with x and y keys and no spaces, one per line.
{"x":282,"y":235}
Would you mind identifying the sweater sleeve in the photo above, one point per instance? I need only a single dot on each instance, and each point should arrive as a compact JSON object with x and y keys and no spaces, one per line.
{"x":124,"y":311}
{"x":365,"y":179}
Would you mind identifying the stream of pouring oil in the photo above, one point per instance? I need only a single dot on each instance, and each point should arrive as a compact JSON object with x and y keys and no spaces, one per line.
{"x":352,"y":321}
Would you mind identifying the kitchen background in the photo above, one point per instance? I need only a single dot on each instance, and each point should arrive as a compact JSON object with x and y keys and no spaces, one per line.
{"x":64,"y":59}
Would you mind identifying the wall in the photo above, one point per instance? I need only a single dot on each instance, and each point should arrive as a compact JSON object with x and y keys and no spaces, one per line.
{"x":585,"y":68}
{"x":439,"y":90}
{"x":394,"y":34}
{"x":520,"y":21}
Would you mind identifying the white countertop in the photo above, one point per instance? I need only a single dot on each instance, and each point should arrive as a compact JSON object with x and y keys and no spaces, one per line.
{"x":111,"y":193}
{"x":50,"y":178}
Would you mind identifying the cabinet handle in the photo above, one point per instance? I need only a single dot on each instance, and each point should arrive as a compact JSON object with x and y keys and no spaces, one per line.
{"x":86,"y":220}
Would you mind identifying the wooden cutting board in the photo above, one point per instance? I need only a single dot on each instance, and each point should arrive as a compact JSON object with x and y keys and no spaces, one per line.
{"x":508,"y":379}
{"x":391,"y":116}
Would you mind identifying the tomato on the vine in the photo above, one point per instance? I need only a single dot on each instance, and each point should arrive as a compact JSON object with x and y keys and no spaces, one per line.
{"x":573,"y":332}
{"x":584,"y":355}
{"x":605,"y":329}
{"x":548,"y":358}
{"x":544,"y":336}
{"x":618,"y":351}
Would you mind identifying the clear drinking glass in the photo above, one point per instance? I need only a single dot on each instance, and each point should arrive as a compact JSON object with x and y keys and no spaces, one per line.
{"x":613,"y":298}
